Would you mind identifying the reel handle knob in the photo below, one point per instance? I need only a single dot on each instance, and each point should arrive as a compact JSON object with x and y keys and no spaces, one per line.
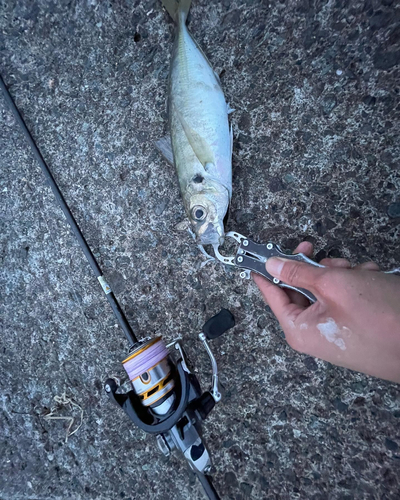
{"x":218,"y":324}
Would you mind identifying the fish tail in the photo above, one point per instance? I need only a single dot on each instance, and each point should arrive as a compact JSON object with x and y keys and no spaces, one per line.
{"x":177,"y":9}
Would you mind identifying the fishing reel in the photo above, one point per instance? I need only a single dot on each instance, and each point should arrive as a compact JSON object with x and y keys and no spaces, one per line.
{"x":163,"y":396}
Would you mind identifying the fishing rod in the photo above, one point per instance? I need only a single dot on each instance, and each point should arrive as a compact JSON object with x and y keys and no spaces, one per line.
{"x":163,"y":396}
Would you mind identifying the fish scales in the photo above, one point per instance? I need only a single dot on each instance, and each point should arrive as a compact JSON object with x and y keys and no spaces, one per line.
{"x":201,"y":140}
{"x":195,"y":90}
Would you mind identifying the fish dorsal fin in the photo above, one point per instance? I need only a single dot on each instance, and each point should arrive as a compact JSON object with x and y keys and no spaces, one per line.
{"x":200,"y":146}
{"x":164,"y":145}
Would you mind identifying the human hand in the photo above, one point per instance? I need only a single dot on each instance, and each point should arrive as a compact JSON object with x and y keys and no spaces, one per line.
{"x":355,"y":322}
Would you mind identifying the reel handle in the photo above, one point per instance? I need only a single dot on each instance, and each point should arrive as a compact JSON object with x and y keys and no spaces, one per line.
{"x":218,"y":324}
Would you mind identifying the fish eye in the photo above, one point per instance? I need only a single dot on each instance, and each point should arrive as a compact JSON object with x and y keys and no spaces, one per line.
{"x":198,"y":213}
{"x":198,"y":179}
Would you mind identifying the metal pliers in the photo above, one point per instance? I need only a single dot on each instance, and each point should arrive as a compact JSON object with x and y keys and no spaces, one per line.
{"x":251,"y":257}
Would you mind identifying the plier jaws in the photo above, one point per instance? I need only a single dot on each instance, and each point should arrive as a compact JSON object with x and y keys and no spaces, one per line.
{"x":251,"y":257}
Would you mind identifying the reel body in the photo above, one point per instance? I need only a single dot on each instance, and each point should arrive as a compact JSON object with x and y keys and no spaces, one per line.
{"x":164,"y":397}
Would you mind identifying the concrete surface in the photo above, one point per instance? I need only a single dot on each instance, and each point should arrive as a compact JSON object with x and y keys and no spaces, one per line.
{"x":316,"y":89}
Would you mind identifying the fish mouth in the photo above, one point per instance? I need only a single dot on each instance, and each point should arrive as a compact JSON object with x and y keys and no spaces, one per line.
{"x":212,"y":235}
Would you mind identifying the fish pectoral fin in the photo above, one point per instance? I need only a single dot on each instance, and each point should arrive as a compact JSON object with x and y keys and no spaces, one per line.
{"x":209,"y":257}
{"x":164,"y":145}
{"x":229,"y":110}
{"x":200,"y":146}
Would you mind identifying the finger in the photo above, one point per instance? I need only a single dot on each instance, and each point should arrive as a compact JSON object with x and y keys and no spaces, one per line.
{"x":297,"y":298}
{"x":265,"y":286}
{"x":278,"y":300}
{"x":294,"y":273}
{"x":344,"y":263}
{"x":294,"y":297}
{"x":367,"y":266}
{"x":305,"y":247}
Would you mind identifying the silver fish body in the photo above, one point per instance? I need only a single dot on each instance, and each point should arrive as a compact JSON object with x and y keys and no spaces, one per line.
{"x":201,"y":139}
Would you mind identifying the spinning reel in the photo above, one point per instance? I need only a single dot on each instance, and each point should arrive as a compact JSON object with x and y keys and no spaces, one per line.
{"x":163,"y":396}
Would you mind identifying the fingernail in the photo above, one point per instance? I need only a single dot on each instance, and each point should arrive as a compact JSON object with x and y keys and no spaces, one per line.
{"x":274,"y":266}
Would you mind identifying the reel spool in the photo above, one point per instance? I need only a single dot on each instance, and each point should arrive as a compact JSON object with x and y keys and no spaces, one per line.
{"x":149,"y":370}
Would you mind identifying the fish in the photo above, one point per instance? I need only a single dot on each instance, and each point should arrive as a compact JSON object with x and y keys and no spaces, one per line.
{"x":200,"y":140}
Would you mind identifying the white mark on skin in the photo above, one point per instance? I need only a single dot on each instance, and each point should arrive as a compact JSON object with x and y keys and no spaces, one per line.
{"x":330,"y":331}
{"x":291,"y":324}
{"x":340,"y":343}
{"x":303,"y":326}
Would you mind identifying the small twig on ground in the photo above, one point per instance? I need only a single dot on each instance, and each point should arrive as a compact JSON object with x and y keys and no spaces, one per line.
{"x":62,"y":401}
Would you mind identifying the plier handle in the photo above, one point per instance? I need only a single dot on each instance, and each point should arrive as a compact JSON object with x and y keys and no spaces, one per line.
{"x":251,"y":257}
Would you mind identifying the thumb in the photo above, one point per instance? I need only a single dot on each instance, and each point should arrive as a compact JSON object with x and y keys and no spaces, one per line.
{"x":294,"y":273}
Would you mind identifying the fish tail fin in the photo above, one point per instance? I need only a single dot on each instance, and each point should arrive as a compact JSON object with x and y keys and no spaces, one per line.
{"x":177,"y":9}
